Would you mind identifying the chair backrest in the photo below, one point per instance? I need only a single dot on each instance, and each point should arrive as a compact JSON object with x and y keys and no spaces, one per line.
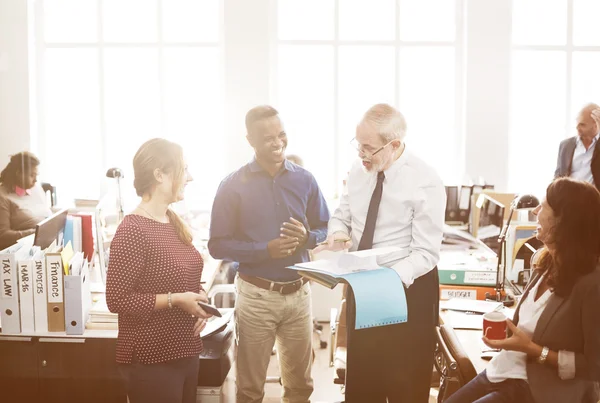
{"x":49,"y":188}
{"x":451,"y":361}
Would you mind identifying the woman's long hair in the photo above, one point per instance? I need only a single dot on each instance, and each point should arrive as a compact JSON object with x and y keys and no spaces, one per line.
{"x":168,"y":157}
{"x":575,"y":238}
{"x":19,"y":167}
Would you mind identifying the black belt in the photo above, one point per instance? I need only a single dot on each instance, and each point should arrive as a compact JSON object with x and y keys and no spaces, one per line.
{"x":282,"y":288}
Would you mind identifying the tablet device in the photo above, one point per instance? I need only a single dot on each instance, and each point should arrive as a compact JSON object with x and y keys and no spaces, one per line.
{"x":209,"y":309}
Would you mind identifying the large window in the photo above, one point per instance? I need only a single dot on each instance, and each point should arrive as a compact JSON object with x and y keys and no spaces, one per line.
{"x":556,"y":60}
{"x":114,"y":73}
{"x":336,"y":58}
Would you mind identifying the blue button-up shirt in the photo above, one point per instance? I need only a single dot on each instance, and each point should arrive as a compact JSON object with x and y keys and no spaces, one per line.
{"x":249,"y":211}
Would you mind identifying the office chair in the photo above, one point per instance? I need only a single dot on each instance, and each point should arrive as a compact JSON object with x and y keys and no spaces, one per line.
{"x":49,"y":188}
{"x":452,"y":363}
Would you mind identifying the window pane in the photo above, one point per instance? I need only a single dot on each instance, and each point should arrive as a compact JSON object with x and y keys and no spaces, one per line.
{"x":362,"y":20}
{"x":366,"y":76}
{"x":586,"y":83}
{"x":530,"y":28}
{"x":537,"y":118}
{"x":71,"y":159}
{"x":586,"y":21}
{"x":430,"y":114}
{"x":131,"y":102}
{"x":191,"y":20}
{"x":305,"y":100}
{"x":130,"y":20}
{"x":306,"y":19}
{"x":194,"y":113}
{"x":427,"y":20}
{"x":70,"y":21}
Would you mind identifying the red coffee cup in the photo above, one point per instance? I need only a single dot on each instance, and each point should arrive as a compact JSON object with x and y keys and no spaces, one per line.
{"x":494,"y":325}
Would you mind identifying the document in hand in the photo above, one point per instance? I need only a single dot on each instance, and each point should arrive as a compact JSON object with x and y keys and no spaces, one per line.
{"x":378,"y":291}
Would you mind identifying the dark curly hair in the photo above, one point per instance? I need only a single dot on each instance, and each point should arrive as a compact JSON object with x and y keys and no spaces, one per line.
{"x":575,"y":238}
{"x":20,"y":164}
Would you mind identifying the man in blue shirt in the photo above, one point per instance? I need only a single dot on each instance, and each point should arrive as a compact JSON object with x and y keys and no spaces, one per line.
{"x":266,"y":216}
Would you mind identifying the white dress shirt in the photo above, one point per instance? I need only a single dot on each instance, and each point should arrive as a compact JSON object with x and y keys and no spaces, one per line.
{"x":581,"y":165}
{"x":411,"y":214}
{"x":513,"y":364}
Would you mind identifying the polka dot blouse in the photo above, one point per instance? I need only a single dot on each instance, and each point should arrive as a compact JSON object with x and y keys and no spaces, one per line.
{"x":148,"y":258}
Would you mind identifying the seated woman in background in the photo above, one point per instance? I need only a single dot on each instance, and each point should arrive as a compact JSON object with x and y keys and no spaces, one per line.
{"x":553,"y":352}
{"x":22,"y":202}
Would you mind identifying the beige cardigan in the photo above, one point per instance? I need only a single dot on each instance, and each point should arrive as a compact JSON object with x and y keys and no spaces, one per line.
{"x":20,"y":214}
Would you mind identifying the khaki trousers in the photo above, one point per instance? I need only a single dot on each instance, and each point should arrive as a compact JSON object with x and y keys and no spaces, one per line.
{"x":262,"y":318}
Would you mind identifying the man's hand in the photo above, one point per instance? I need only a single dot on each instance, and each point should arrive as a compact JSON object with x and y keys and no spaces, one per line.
{"x":295,"y":229}
{"x":596,"y":117}
{"x":335,"y":242}
{"x":282,"y":247}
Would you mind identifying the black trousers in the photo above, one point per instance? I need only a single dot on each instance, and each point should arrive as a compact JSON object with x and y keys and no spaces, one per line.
{"x":394,"y":362}
{"x":169,"y":382}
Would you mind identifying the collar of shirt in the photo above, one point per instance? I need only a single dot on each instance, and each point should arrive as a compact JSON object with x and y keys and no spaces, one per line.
{"x":22,"y":192}
{"x":580,"y":143}
{"x":393,"y":170}
{"x":255,"y":166}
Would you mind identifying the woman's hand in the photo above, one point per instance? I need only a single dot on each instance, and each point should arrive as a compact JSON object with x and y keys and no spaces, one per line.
{"x":199,"y":326}
{"x":519,"y":341}
{"x":188,"y":302}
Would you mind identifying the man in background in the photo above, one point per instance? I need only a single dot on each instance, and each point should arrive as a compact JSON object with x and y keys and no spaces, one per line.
{"x":578,"y":155}
{"x":266,"y":216}
{"x":392,"y":198}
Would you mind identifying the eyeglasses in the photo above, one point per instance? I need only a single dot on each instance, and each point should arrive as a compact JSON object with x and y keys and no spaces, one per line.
{"x":366,"y":155}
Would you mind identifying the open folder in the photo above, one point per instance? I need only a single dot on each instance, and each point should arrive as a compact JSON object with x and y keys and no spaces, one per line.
{"x":378,"y":291}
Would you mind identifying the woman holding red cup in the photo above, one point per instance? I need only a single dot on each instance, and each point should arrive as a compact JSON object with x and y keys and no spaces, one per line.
{"x":552,"y":349}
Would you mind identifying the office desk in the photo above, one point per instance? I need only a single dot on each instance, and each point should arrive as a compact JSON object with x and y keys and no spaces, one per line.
{"x":58,"y":368}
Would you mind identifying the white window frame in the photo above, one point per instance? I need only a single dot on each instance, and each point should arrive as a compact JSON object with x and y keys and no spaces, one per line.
{"x":100,"y":45}
{"x":569,"y":48}
{"x":398,"y":44}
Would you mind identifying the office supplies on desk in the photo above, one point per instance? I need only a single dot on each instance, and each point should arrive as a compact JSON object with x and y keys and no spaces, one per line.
{"x":9,"y":297}
{"x":378,"y":292}
{"x":468,"y":305}
{"x":468,"y":269}
{"x":464,"y":292}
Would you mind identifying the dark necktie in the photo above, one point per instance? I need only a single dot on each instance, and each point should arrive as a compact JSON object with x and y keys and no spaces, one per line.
{"x":366,"y":241}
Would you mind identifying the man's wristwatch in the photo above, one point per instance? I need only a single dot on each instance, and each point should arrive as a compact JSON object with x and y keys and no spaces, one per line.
{"x":543,"y":356}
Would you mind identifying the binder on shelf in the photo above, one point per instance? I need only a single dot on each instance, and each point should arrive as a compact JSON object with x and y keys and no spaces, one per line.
{"x":54,"y":277}
{"x":25,"y":280}
{"x":87,"y":235}
{"x":464,"y":276}
{"x":77,"y":295}
{"x":452,"y":213}
{"x":9,"y":296}
{"x":463,"y":291}
{"x":40,"y":295}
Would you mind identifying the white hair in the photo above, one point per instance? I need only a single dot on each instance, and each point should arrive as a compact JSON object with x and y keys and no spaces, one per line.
{"x":387,"y":120}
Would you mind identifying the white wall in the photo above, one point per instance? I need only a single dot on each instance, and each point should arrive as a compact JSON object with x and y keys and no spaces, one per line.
{"x":14,"y":79}
{"x":248,"y":72}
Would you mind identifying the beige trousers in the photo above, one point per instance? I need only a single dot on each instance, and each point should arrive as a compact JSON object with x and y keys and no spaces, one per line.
{"x":263,"y":317}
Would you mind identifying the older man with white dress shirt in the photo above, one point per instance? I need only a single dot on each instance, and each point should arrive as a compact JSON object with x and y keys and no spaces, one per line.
{"x":392,"y":198}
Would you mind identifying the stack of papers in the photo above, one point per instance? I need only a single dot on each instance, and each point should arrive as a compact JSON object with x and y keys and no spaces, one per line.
{"x":471,"y":305}
{"x":101,"y":317}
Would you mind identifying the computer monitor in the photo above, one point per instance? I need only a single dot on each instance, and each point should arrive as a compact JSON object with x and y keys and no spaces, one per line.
{"x":52,"y":228}
{"x":491,"y":220}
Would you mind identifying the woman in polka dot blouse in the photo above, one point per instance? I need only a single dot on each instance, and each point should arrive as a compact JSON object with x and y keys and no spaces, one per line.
{"x":153,"y":283}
